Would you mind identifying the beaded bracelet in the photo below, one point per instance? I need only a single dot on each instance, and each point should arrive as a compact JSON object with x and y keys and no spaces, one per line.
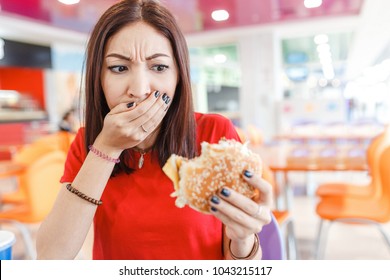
{"x":102,"y":155}
{"x":254,"y":251}
{"x":83,"y":196}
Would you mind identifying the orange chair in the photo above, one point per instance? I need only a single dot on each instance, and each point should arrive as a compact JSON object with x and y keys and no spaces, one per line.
{"x":60,"y":140}
{"x":42,"y":185}
{"x":365,"y":209}
{"x":241,"y":133}
{"x":30,"y":153}
{"x":255,"y":135}
{"x":26,"y":156}
{"x":378,"y":144}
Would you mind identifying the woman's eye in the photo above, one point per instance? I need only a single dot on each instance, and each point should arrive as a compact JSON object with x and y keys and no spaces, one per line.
{"x":118,"y":68}
{"x":160,"y":67}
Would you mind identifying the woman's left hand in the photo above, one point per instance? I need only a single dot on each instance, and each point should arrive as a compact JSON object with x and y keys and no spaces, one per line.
{"x":242,"y":216}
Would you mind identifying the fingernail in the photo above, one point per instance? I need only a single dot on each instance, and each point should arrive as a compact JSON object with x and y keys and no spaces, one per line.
{"x":164,"y":97}
{"x":215,"y":199}
{"x":129,"y":105}
{"x":213,"y":209}
{"x":157,"y":94}
{"x":167,"y":100}
{"x":225,"y":192}
{"x":248,"y":174}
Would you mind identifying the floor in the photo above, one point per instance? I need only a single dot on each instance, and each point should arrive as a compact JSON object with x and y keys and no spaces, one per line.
{"x":344,"y":241}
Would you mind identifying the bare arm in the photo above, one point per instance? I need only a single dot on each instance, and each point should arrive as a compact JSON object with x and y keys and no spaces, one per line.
{"x":63,"y":232}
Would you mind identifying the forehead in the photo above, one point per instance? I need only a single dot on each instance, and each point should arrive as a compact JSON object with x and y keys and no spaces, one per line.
{"x":140,"y":37}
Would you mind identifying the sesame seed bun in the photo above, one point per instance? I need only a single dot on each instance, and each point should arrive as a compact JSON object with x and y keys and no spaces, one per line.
{"x":219,"y":165}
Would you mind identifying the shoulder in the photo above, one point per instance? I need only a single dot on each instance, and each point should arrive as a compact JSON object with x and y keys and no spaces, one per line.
{"x":211,"y":119}
{"x":212,"y":127}
{"x":76,"y":156}
{"x":78,"y":145}
{"x":80,"y":135}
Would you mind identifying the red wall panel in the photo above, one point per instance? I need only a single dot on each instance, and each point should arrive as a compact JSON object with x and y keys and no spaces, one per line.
{"x":25,"y":80}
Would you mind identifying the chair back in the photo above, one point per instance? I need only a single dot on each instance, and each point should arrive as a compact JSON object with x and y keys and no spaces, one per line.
{"x":57,"y":141}
{"x":374,"y":152}
{"x":241,"y":133}
{"x":255,"y":135}
{"x":30,"y":152}
{"x":271,"y":241}
{"x":60,"y":140}
{"x":43,"y":185}
{"x":384,"y":170}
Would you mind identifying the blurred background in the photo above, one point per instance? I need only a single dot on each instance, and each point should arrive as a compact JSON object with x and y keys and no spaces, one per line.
{"x":276,"y":63}
{"x":307,"y":78}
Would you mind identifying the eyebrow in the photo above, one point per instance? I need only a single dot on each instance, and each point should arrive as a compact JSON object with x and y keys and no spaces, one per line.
{"x":153,"y":56}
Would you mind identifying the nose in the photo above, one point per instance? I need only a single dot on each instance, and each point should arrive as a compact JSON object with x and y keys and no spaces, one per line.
{"x":139,"y":86}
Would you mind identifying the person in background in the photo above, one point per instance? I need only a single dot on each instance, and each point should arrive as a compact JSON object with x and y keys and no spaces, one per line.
{"x":138,"y":112}
{"x":68,"y":121}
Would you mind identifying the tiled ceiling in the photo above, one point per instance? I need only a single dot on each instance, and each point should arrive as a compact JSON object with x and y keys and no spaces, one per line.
{"x":193,"y":15}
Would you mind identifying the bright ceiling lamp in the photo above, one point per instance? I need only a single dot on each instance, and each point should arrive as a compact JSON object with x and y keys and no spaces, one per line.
{"x":69,"y":2}
{"x":220,"y":15}
{"x":321,"y":39}
{"x":220,"y":58}
{"x":312,"y":3}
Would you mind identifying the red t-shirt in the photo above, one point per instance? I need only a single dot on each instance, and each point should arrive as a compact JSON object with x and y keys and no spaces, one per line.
{"x":139,"y":219}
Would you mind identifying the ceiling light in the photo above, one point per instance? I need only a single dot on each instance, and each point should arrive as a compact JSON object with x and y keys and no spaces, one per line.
{"x":321,"y":39}
{"x":325,"y":59}
{"x":69,"y":2}
{"x":312,"y":3}
{"x":220,"y":58}
{"x":220,"y":15}
{"x":328,"y":72}
{"x":323,"y":48}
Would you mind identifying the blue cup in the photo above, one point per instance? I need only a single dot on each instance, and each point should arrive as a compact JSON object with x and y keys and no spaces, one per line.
{"x":7,"y":240}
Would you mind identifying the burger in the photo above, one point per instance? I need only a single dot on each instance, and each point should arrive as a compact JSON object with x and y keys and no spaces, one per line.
{"x":219,"y":165}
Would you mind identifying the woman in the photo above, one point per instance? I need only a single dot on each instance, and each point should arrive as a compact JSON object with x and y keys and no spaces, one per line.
{"x":139,"y":111}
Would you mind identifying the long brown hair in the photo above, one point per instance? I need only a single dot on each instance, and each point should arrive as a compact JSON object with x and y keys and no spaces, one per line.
{"x":177,"y":134}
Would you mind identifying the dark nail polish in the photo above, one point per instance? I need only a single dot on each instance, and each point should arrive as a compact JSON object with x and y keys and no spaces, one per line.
{"x":164,"y":97}
{"x":248,"y":174}
{"x":157,"y":94}
{"x":225,"y":192}
{"x":213,"y":209}
{"x":167,"y":100}
{"x":129,"y":105}
{"x":215,"y":199}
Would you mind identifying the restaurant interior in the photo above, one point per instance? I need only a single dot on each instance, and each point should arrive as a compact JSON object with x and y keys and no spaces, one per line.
{"x":305,"y":82}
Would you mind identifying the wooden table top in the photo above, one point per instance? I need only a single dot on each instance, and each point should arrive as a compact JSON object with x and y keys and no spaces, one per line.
{"x":278,"y":158}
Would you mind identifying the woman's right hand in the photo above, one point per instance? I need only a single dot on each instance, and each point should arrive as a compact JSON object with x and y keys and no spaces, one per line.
{"x":128,"y":124}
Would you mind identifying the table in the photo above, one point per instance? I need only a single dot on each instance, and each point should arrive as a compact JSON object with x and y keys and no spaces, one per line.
{"x":362,"y":133}
{"x":278,"y":159}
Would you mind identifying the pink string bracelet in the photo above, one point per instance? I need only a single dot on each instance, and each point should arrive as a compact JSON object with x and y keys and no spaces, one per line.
{"x":102,"y":155}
